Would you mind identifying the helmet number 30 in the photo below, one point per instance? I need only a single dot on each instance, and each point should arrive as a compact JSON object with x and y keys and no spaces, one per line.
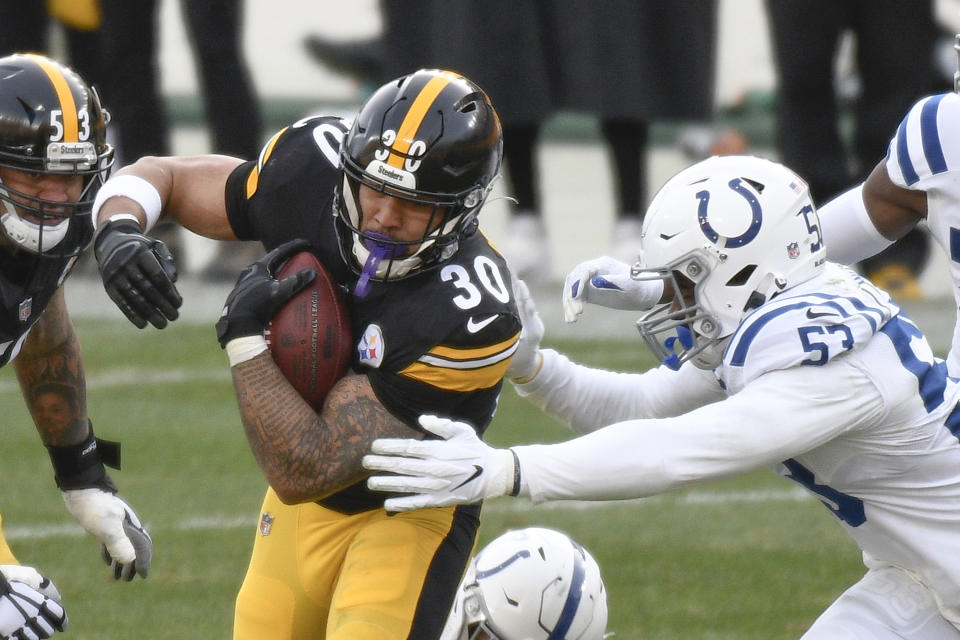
{"x":412,"y":161}
{"x":56,"y":121}
{"x":488,"y":275}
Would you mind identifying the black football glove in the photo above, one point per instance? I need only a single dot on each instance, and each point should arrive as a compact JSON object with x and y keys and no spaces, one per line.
{"x":138,"y":273}
{"x":258,"y":295}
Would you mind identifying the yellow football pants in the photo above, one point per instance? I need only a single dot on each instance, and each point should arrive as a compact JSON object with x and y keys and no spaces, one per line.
{"x":316,"y":573}
{"x":6,"y":555}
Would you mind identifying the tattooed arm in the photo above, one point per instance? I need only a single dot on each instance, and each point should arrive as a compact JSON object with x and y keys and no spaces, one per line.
{"x":306,"y":456}
{"x":50,"y":370}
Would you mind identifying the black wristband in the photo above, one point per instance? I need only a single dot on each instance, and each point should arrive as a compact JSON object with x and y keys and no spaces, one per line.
{"x":515,"y":491}
{"x":81,"y":466}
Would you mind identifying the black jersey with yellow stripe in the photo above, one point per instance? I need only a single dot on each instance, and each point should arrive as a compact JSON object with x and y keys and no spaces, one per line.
{"x":437,"y":342}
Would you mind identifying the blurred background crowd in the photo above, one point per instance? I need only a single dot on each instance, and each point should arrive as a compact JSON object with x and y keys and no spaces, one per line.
{"x":601,"y":102}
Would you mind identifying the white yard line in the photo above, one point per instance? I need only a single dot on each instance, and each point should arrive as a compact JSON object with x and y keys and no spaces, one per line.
{"x":237,"y":521}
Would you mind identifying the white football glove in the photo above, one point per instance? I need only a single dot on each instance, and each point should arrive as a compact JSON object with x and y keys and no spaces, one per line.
{"x":459,"y":469}
{"x":125,"y":544}
{"x":606,"y":281}
{"x":526,"y":359}
{"x":30,"y":605}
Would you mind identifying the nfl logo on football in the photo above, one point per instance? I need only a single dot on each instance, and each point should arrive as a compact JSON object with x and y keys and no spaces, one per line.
{"x":266,"y":523}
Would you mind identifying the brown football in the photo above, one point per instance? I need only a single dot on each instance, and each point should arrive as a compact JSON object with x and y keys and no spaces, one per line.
{"x":310,"y":336}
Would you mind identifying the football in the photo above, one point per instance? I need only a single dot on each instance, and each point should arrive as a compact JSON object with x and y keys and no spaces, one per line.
{"x":310,"y":336}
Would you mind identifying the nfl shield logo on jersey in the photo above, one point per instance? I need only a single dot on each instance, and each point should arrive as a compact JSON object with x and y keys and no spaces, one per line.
{"x":266,"y":523}
{"x":25,"y":308}
{"x":371,"y":346}
{"x":793,"y":250}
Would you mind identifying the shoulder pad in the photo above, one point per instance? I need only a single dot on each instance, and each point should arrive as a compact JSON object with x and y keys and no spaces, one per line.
{"x":927,"y":142}
{"x":806,"y":329}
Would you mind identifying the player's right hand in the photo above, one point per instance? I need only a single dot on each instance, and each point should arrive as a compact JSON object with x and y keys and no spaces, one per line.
{"x":459,"y":468}
{"x":258,"y":295}
{"x":526,"y":359}
{"x":138,"y":273}
{"x":30,"y":605}
{"x":606,"y":282}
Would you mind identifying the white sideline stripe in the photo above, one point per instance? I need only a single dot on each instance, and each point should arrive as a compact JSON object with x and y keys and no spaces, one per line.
{"x":214,"y":522}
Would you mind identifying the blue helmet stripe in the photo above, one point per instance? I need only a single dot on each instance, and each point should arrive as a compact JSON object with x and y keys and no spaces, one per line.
{"x":503,"y":565}
{"x":572,"y":605}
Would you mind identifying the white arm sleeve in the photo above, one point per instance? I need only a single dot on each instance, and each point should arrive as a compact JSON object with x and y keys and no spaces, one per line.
{"x":586,"y":399}
{"x":780,"y":415}
{"x":848,"y":232}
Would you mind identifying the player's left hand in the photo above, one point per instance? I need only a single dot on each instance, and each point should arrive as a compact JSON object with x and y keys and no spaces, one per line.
{"x":258,"y":295}
{"x":460,"y":468}
{"x":125,"y":544}
{"x":606,"y":282}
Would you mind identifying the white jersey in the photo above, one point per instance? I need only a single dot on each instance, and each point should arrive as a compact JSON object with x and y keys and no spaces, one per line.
{"x":829,"y":384}
{"x":924,"y":155}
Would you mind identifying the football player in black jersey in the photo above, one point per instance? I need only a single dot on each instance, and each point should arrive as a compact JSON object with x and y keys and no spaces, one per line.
{"x":53,"y":158}
{"x":389,"y":204}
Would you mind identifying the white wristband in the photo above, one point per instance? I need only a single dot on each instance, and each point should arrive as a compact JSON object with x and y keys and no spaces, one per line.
{"x":135,"y":188}
{"x":245,"y":348}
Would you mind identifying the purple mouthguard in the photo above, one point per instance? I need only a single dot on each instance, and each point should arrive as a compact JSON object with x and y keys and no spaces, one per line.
{"x":378,"y":251}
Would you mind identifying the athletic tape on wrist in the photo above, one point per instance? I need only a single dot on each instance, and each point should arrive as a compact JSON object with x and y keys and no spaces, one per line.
{"x":533,"y":375}
{"x":245,"y":348}
{"x":135,"y":188}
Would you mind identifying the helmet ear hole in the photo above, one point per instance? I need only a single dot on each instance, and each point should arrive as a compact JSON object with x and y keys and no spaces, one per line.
{"x":741,"y":277}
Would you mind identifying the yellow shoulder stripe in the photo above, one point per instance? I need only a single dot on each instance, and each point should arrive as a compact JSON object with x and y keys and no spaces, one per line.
{"x":463,"y":370}
{"x":253,"y":180}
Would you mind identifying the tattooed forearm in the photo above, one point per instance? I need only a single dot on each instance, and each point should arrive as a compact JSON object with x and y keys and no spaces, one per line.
{"x":305,"y":456}
{"x":50,"y":371}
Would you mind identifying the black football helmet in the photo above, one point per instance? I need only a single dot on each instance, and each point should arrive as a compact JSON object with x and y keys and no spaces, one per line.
{"x":51,"y":122}
{"x":431,"y":137}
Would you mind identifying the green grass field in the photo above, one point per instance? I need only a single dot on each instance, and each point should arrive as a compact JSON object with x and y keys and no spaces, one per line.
{"x":747,"y":558}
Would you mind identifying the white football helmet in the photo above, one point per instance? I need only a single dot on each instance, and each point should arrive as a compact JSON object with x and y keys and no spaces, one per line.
{"x":731,"y":232}
{"x":530,"y":584}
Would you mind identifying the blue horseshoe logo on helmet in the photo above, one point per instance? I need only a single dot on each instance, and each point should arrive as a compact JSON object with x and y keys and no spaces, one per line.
{"x":755,"y":210}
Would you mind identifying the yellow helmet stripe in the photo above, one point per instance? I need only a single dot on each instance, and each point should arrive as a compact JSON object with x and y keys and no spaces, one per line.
{"x":71,"y":127}
{"x":253,"y":180}
{"x":413,"y":119}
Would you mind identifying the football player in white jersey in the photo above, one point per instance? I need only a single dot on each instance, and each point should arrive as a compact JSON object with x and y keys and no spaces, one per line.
{"x":772,"y":356}
{"x":918,"y":181}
